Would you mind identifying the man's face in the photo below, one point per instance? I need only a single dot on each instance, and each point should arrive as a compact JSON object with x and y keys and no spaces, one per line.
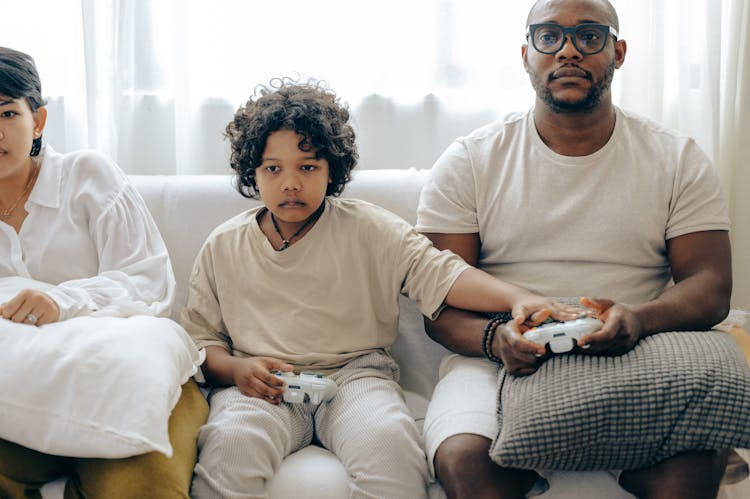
{"x":569,"y":81}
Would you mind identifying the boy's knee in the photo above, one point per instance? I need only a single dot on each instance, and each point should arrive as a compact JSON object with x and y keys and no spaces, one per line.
{"x":399,"y":433}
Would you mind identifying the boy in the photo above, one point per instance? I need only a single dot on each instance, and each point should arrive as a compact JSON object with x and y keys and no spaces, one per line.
{"x":310,"y":282}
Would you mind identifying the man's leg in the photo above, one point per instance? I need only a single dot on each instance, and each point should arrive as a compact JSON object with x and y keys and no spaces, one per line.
{"x":460,"y":423}
{"x":464,"y":468}
{"x":692,"y":475}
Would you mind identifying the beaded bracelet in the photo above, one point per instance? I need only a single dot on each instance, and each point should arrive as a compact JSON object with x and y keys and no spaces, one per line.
{"x":489,"y":337}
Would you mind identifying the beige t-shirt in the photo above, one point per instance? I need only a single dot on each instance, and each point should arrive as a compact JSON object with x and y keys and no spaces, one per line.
{"x":330,"y":297}
{"x":595,"y":225}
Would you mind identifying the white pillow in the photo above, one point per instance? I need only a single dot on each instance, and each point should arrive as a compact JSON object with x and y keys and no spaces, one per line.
{"x":91,"y":386}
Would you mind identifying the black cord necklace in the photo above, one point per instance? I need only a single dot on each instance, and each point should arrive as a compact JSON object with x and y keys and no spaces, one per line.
{"x":285,"y":243}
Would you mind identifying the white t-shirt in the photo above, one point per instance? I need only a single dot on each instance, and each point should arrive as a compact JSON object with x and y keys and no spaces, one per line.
{"x":88,"y":232}
{"x":574,"y":226}
{"x":330,"y":297}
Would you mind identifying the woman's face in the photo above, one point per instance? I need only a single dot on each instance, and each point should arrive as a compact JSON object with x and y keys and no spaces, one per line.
{"x":19,"y":126}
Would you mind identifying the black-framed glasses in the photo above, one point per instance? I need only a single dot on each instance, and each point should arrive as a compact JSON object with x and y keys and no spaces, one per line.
{"x":588,"y":38}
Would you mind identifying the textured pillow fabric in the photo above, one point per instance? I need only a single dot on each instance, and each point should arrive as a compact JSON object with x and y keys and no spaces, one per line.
{"x":673,"y":392}
{"x":93,"y":387}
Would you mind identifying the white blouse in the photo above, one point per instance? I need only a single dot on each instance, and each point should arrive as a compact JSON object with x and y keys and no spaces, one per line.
{"x":89,"y":233}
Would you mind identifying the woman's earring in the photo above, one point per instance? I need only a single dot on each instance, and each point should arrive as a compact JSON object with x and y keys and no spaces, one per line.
{"x":36,"y":146}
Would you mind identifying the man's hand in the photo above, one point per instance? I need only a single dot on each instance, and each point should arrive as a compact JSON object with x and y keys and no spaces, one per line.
{"x":254,"y":377}
{"x":520,"y":357}
{"x":31,"y":307}
{"x":620,"y":332}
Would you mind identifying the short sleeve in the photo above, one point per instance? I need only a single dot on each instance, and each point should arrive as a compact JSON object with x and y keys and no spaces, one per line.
{"x":697,"y":203}
{"x":447,"y":203}
{"x":202,"y":317}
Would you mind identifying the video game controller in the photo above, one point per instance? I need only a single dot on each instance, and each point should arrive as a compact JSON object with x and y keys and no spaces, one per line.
{"x":315,"y":385}
{"x":562,"y":336}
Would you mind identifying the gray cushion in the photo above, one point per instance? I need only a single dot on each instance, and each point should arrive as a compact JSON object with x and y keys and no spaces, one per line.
{"x":673,"y":392}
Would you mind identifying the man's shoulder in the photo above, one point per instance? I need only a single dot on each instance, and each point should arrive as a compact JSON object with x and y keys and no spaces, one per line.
{"x":643,"y":126}
{"x":509,"y":124}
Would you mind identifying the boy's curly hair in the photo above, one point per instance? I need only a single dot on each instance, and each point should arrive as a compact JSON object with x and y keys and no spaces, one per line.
{"x":309,"y":109}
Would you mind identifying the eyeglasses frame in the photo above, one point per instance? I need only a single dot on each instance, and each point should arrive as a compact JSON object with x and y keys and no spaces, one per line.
{"x":572,"y":31}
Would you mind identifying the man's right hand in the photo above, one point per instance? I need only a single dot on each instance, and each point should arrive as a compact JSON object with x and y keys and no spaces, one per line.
{"x":520,"y":356}
{"x":621,"y":330}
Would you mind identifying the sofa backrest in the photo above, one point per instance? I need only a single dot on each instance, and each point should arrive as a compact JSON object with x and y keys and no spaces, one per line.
{"x":187,"y":208}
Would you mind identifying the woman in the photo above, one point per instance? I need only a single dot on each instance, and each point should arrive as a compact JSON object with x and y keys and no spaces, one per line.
{"x":74,"y":220}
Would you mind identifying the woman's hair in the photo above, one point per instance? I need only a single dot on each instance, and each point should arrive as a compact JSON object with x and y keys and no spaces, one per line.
{"x":19,"y":78}
{"x":309,"y":109}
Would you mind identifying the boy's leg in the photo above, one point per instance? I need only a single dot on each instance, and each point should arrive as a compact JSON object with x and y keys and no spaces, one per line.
{"x":368,"y":426}
{"x":23,"y":471}
{"x":244,"y":442}
{"x":151,"y":475}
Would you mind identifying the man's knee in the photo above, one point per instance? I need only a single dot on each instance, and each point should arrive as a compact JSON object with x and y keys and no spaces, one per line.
{"x":463,"y":448}
{"x":464,"y":467}
{"x":688,"y":475}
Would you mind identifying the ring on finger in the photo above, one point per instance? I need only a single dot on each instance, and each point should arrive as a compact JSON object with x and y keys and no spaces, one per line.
{"x":32,"y":318}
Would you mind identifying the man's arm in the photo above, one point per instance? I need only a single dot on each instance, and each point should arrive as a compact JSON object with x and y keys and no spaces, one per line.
{"x":701,"y":265}
{"x":458,"y":330}
{"x":462,"y":332}
{"x":702,"y":270}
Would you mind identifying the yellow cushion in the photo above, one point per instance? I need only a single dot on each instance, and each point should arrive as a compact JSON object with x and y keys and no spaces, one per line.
{"x":743,"y":339}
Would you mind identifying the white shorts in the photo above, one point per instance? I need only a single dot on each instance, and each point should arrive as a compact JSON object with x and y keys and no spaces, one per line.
{"x":465,"y":401}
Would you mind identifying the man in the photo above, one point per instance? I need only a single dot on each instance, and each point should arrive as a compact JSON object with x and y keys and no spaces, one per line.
{"x":573,"y":198}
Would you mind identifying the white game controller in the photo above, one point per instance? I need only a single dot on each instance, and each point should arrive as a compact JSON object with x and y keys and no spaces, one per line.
{"x":315,"y":385}
{"x":562,"y":336}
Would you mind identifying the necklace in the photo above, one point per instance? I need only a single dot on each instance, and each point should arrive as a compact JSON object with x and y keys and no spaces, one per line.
{"x":285,"y":243}
{"x":6,"y":213}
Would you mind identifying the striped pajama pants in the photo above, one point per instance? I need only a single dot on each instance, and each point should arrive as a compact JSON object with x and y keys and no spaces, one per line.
{"x":367,"y":425}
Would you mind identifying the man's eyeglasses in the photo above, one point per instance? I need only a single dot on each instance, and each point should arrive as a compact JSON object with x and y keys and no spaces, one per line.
{"x":588,"y":38}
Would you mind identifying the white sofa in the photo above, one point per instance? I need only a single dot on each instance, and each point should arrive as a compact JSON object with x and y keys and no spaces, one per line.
{"x":186,"y":208}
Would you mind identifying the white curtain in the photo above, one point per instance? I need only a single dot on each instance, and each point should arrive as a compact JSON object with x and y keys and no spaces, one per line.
{"x":154,"y":82}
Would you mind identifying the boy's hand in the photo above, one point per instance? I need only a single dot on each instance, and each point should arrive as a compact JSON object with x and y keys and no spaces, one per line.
{"x":31,"y":307}
{"x":532,"y":310}
{"x":620,"y":332}
{"x":255,"y":377}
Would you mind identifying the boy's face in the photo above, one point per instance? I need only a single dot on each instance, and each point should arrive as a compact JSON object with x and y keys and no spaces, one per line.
{"x":292,"y":182}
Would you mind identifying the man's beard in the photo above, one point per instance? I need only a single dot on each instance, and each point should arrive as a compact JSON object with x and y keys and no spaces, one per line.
{"x":588,"y":103}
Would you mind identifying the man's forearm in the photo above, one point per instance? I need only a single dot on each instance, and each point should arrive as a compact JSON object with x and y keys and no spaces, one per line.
{"x":696,"y":303}
{"x":458,"y":330}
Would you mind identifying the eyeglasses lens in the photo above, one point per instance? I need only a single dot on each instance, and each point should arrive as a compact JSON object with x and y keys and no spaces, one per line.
{"x":549,"y":39}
